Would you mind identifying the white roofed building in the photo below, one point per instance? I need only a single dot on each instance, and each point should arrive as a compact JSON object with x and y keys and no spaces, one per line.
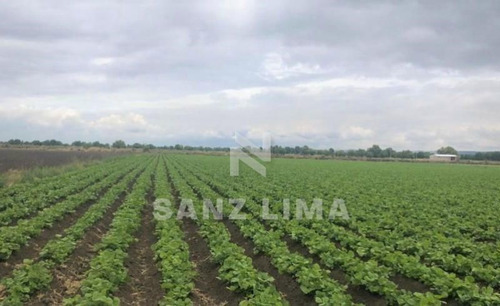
{"x":445,"y":157}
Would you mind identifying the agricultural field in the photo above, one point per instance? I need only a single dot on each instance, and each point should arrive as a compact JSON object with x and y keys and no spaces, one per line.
{"x":30,"y":164}
{"x":416,"y":234}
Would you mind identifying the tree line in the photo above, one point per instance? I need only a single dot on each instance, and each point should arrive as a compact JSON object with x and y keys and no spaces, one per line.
{"x":375,"y":151}
{"x":494,"y":156}
{"x":118,"y":144}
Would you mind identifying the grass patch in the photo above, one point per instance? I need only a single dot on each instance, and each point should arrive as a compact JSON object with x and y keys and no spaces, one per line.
{"x":16,"y":176}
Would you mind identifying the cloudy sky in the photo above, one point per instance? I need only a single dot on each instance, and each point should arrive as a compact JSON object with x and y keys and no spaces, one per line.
{"x":341,"y":74}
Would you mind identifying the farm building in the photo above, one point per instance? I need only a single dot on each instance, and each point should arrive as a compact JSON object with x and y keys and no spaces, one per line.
{"x":445,"y":157}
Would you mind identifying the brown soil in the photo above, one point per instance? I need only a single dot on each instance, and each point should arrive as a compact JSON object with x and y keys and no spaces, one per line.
{"x":208,"y":290}
{"x":409,"y":284}
{"x":144,"y":284}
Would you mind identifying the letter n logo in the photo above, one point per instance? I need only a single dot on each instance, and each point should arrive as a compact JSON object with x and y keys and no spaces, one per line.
{"x":245,"y":151}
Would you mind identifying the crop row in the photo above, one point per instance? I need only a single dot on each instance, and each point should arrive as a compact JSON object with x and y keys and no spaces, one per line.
{"x":107,"y":270}
{"x":48,"y":188}
{"x":35,"y":275}
{"x":30,"y":202}
{"x":446,"y":283}
{"x":368,"y":274}
{"x":171,"y":250}
{"x":455,"y":254}
{"x":435,"y":215}
{"x":311,"y":278}
{"x":433,"y":257}
{"x":452,"y":254}
{"x":12,"y":238}
{"x":235,"y":267}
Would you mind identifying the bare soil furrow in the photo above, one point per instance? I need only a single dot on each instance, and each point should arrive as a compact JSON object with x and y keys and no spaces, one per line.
{"x":143,"y":285}
{"x":208,"y":290}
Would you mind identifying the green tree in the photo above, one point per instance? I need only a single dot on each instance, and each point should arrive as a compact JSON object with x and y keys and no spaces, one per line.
{"x":389,"y":152}
{"x":119,"y":144}
{"x":374,"y":151}
{"x":447,"y":150}
{"x":15,"y":142}
{"x":406,"y":154}
{"x":340,"y":153}
{"x":421,"y":154}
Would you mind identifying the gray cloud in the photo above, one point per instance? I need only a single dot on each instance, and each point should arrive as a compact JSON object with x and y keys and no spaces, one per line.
{"x":337,"y":74}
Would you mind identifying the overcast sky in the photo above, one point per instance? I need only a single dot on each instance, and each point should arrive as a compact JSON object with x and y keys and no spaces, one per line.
{"x":342,"y":74}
